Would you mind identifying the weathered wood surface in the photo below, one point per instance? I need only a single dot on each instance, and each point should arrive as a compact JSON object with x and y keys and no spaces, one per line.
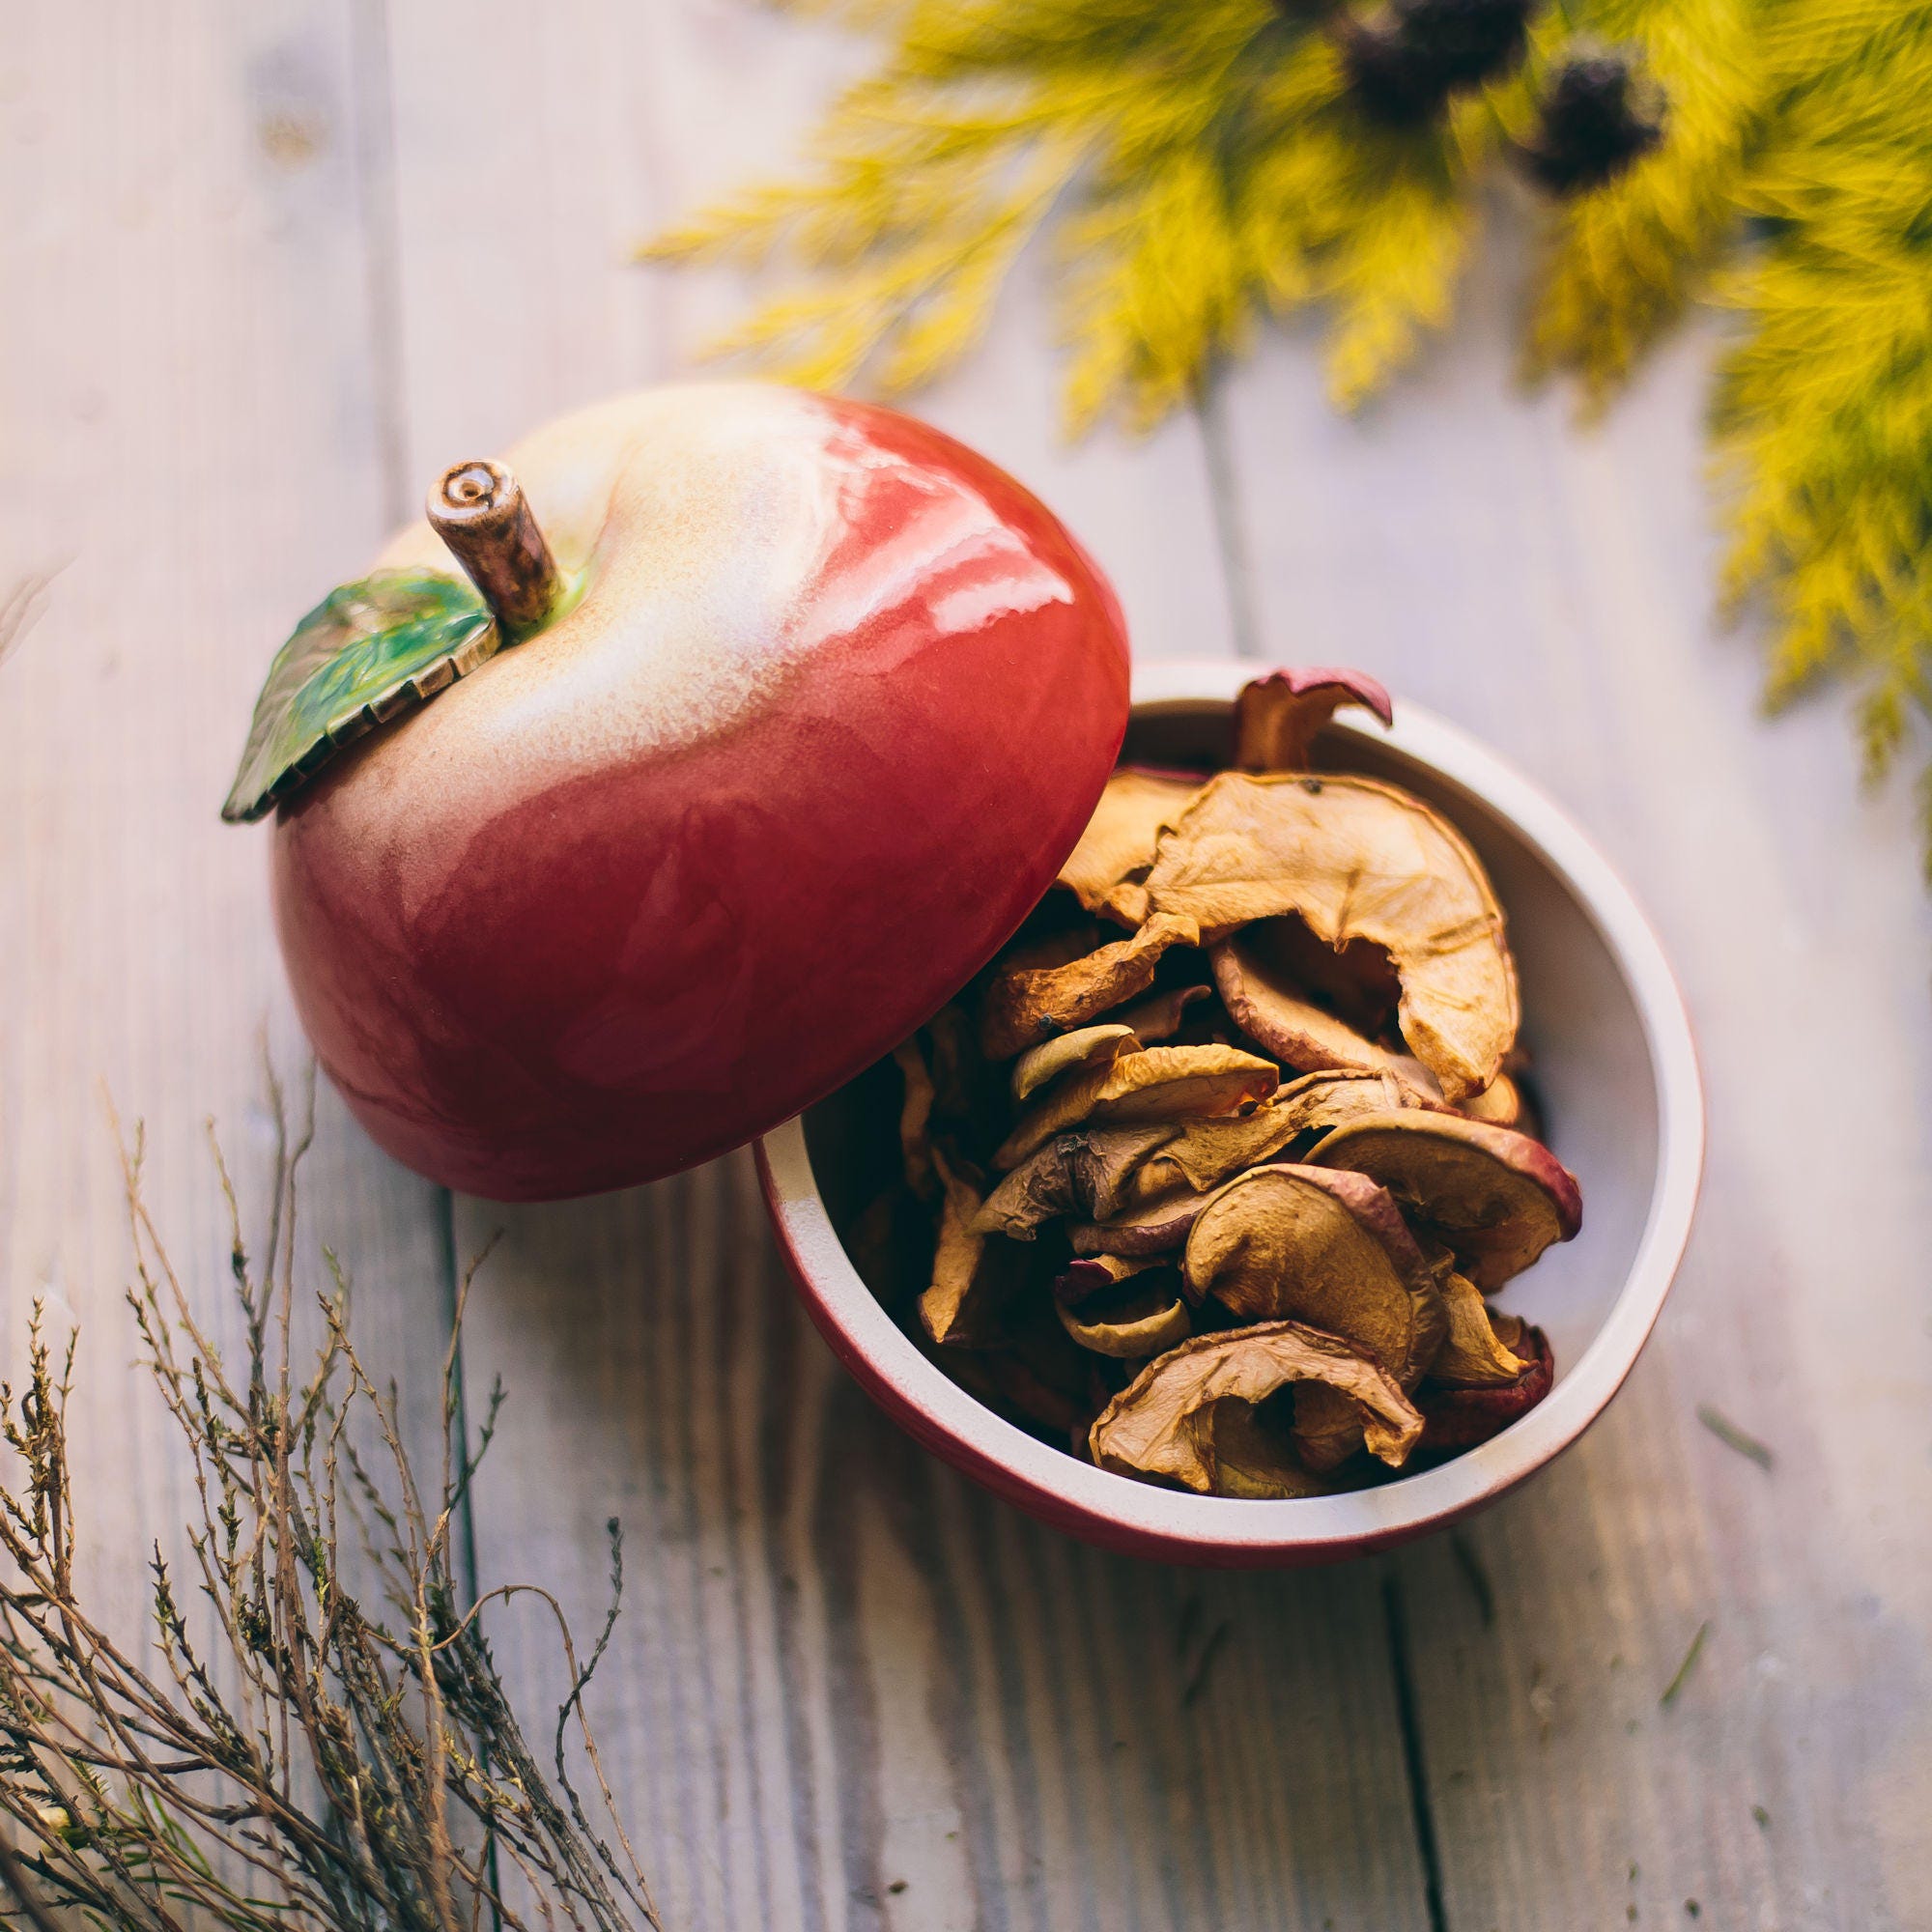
{"x":1553,"y":591}
{"x":267,"y":271}
{"x":190,"y":421}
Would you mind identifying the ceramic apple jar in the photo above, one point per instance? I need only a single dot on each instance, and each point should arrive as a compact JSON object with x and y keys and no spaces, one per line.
{"x":757,"y":725}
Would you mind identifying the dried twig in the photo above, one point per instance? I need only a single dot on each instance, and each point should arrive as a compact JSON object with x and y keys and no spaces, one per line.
{"x":344,"y":1759}
{"x":1676,"y":1684}
{"x":1732,"y":1437}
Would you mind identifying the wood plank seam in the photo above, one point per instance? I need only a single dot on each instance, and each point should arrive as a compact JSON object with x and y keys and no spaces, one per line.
{"x":1396,"y":1622}
{"x":377,"y":210}
{"x":1224,"y":487}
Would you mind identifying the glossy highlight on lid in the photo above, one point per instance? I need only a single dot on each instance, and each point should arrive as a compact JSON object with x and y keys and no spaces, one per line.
{"x":836,"y":699}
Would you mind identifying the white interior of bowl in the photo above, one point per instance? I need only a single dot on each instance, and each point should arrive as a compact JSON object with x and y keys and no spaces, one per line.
{"x":1612,"y":1064}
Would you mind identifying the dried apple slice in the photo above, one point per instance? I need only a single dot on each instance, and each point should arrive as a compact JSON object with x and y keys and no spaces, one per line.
{"x":1159,"y":1015}
{"x":1201,"y":1157}
{"x":956,"y":1070}
{"x":1499,"y":1104}
{"x":1024,"y":1006}
{"x":1326,"y":1431}
{"x":1254,"y":1450}
{"x":1146,"y":1321}
{"x":1088,"y":1171}
{"x":1304,"y":1243}
{"x":1040,"y":1190}
{"x":1276,"y":716}
{"x":1495,"y":1198}
{"x":1163,"y":1083}
{"x":1099,"y":1275}
{"x":973,"y":1275}
{"x":1281,"y":1019}
{"x":1156,"y":1228}
{"x":1357,"y":980}
{"x":1460,"y":1418}
{"x":1116,"y":847}
{"x":1204,"y":1153}
{"x":1164,"y":1422}
{"x":1108,"y":1166}
{"x":1086,"y":1046}
{"x":1355,"y":859}
{"x":1102,"y":1172}
{"x":1471,"y":1356}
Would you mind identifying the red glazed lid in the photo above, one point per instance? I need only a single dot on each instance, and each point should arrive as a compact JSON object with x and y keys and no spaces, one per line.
{"x":825,"y":702}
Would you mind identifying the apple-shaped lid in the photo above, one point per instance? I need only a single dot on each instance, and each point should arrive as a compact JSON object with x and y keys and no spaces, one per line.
{"x":764,"y":720}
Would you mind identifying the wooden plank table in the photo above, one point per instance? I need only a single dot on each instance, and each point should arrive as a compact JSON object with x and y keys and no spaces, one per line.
{"x":267,"y":269}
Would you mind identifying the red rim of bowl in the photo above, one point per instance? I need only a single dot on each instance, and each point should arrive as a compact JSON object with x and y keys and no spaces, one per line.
{"x":1175,"y":1525}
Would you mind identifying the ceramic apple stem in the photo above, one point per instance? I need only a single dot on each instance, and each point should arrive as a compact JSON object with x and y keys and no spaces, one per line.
{"x":480,"y":510}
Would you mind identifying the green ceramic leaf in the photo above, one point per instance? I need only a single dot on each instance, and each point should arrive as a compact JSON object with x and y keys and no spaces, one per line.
{"x":366,"y":653}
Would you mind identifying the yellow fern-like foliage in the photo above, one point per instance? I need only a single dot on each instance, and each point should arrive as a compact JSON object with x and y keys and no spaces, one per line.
{"x":1823,"y":416}
{"x":1203,"y":165}
{"x":1620,"y":263}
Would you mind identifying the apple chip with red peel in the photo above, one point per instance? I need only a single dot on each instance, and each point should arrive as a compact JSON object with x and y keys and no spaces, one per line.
{"x":1103,"y":870}
{"x":1086,"y":1046}
{"x":1088,"y":1275}
{"x":916,"y":1119}
{"x":1278,"y":1015}
{"x":1025,"y":1006}
{"x":1159,"y":1015}
{"x":1471,"y":1356}
{"x":1276,"y":716}
{"x":1164,"y":1422}
{"x":1163,"y":1083}
{"x":1303,"y":1243}
{"x":1355,"y":859}
{"x":1146,"y":1321}
{"x":1460,"y":1418}
{"x":972,"y":1275}
{"x":1495,"y":1198}
{"x":1156,"y":1228}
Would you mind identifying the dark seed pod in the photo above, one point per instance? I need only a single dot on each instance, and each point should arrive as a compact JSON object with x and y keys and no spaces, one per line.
{"x":1405,"y":61}
{"x":1598,"y":114}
